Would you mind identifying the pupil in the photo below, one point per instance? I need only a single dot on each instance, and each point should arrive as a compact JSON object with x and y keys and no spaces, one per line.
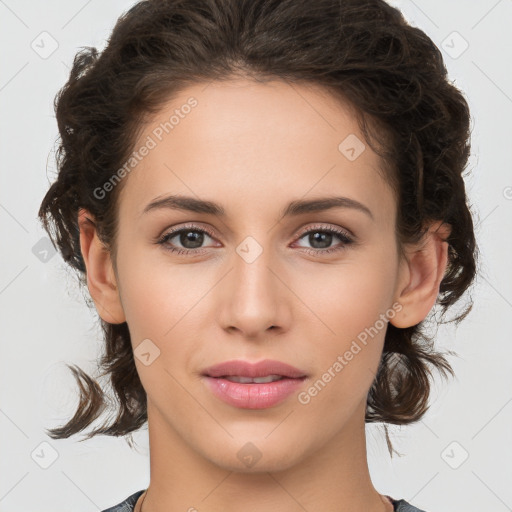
{"x":324,"y":239}
{"x":194,"y":237}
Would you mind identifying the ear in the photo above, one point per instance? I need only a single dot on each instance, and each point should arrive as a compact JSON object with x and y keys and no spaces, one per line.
{"x":421,"y":274}
{"x":101,"y":279}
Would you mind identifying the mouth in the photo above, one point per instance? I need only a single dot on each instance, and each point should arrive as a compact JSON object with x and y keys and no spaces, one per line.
{"x":252,"y":380}
{"x":268,"y":369}
{"x":253,"y":386}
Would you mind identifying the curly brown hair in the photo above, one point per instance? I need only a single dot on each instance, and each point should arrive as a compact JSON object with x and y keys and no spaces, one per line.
{"x":360,"y":50}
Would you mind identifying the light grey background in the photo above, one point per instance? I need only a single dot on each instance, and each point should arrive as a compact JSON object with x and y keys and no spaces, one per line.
{"x":45,"y":323}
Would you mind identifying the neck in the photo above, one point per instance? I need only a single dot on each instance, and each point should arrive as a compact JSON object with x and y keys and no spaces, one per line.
{"x":333,"y":478}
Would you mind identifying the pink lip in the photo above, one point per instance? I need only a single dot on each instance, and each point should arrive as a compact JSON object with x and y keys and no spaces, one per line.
{"x":259,"y":369}
{"x":253,"y":395}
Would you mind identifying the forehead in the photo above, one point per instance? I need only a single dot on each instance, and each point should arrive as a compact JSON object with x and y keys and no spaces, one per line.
{"x":254,"y":145}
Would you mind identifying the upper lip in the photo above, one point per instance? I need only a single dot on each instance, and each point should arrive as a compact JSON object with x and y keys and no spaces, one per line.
{"x":260,"y":369}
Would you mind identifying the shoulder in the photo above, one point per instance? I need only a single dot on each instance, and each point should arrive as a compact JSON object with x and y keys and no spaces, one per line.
{"x":404,"y":506}
{"x":127,"y":505}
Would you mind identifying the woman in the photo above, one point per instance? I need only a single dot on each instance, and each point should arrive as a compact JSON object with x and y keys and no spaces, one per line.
{"x":265,"y":200}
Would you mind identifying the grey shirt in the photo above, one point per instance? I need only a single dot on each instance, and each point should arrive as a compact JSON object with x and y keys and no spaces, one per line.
{"x":129,"y":503}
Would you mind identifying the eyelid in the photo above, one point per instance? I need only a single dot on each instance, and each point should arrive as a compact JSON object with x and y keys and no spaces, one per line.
{"x":324,"y":227}
{"x":191,"y":226}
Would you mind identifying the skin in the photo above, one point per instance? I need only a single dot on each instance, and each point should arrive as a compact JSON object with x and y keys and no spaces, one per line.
{"x":253,"y":148}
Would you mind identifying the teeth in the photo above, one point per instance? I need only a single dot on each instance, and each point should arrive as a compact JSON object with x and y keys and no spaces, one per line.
{"x":255,"y":380}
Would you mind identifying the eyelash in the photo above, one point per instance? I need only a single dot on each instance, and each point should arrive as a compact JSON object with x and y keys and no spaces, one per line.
{"x":346,"y":239}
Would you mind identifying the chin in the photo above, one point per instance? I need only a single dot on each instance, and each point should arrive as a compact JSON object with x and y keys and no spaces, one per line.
{"x":258,"y":455}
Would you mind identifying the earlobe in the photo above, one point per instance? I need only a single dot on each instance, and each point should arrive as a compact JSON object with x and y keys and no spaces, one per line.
{"x":101,"y":280}
{"x":421,"y":275}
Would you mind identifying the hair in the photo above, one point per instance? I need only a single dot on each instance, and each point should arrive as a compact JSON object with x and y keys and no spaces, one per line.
{"x":362,"y":52}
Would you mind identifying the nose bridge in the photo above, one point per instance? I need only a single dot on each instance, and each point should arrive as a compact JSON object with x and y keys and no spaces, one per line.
{"x":253,"y":301}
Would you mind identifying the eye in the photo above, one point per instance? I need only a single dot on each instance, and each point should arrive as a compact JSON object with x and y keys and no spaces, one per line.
{"x":190,"y":237}
{"x":321,"y":238}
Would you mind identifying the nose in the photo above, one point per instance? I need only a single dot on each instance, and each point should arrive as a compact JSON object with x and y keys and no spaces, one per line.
{"x":254,"y":299}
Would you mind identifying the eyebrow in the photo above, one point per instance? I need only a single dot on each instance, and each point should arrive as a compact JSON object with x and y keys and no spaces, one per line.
{"x":297,"y":207}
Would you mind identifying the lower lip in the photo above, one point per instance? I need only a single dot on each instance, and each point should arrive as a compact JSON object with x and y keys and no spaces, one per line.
{"x":253,"y":396}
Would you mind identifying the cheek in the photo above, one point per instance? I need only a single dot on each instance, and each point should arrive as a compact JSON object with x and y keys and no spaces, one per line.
{"x":157,"y":296}
{"x":348,"y":298}
{"x":348,"y":354}
{"x":163,"y":303}
{"x":159,"y":303}
{"x":351,"y":304}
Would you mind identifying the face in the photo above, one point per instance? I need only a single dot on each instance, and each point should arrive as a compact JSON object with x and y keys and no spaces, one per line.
{"x":311,"y":288}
